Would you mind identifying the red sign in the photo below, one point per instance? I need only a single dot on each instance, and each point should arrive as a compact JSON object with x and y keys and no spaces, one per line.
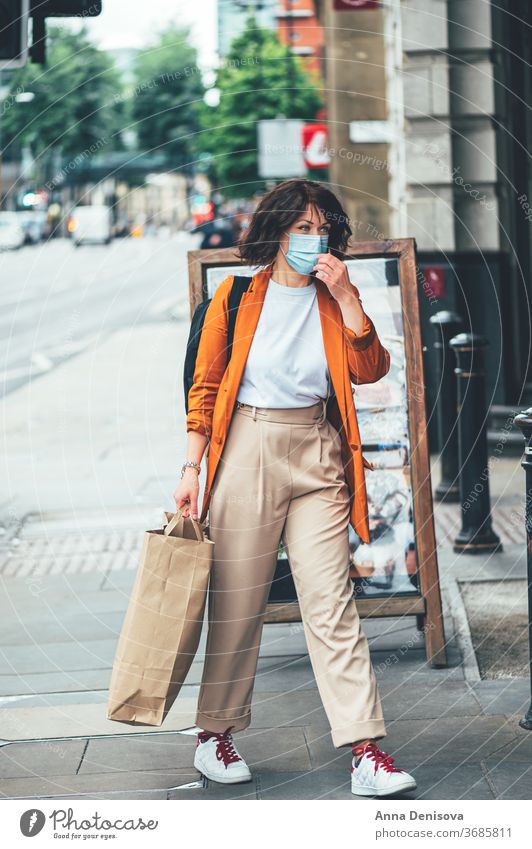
{"x":315,"y":150}
{"x":434,"y":283}
{"x":357,"y":5}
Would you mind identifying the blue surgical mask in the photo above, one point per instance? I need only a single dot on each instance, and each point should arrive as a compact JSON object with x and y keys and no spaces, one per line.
{"x":303,"y":250}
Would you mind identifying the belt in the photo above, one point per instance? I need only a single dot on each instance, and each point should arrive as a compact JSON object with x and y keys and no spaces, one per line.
{"x":254,"y":409}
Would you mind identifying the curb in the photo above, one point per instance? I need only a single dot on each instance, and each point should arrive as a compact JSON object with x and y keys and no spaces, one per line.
{"x":457,"y":611}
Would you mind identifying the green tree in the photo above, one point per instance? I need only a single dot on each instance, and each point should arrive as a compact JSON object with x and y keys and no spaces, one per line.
{"x":167,"y":90}
{"x":260,"y":79}
{"x":76,"y":104}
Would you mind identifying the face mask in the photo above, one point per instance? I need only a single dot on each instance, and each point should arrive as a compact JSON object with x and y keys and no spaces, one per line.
{"x":303,"y":251}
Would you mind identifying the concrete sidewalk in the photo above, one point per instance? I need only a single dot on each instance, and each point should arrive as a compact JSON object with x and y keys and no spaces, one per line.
{"x":61,"y":614}
{"x":92,"y":436}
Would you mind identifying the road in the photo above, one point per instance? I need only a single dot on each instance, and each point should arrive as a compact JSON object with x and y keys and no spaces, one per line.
{"x":92,"y":342}
{"x":56,"y":300}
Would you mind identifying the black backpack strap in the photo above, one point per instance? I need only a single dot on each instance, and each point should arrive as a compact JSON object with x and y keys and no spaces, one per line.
{"x":240,"y":285}
{"x":196,"y":327}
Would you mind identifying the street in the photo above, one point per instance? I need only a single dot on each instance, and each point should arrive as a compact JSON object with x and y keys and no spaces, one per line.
{"x":92,"y":345}
{"x":57,"y":300}
{"x":375,"y":158}
{"x":93,"y":423}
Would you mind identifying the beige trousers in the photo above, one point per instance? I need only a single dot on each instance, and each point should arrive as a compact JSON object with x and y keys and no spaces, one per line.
{"x":281,"y":477}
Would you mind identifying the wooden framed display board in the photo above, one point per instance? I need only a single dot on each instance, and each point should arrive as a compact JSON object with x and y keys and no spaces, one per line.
{"x":396,"y":574}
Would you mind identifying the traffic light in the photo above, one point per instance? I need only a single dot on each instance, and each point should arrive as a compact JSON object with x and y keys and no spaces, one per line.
{"x":13,"y":33}
{"x":14,"y":16}
{"x":66,"y":8}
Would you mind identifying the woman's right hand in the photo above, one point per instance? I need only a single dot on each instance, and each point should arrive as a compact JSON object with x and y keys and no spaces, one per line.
{"x":187,"y":493}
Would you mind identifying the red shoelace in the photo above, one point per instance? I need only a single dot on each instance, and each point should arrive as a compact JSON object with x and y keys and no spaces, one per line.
{"x":382,"y":760}
{"x":225,"y":750}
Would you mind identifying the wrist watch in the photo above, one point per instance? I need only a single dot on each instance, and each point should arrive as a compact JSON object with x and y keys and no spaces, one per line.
{"x":191,"y":463}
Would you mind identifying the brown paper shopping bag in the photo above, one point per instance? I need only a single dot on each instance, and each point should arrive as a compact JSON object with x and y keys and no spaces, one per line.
{"x":162,"y":627}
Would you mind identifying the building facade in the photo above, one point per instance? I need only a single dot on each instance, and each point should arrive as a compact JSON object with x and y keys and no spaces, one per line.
{"x":232,"y":16}
{"x":298,"y":27}
{"x":430,"y":135}
{"x":295,"y":22}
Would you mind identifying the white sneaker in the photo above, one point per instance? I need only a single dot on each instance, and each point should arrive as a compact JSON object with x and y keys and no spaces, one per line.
{"x":375,"y":774}
{"x":216,"y":758}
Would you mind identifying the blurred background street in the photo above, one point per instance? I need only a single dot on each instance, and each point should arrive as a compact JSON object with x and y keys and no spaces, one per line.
{"x":93,"y":380}
{"x":133,"y":134}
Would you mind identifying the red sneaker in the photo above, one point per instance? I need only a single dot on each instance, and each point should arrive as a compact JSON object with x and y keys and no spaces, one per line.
{"x":375,"y":774}
{"x":217,"y":758}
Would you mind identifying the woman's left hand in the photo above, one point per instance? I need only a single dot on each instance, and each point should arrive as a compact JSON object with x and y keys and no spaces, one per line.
{"x":335,"y":275}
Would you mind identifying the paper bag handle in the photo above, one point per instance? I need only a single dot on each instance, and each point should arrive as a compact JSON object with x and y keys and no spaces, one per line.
{"x":178,"y":517}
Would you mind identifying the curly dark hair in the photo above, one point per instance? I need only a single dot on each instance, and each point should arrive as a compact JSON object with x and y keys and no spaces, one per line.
{"x":280,"y":208}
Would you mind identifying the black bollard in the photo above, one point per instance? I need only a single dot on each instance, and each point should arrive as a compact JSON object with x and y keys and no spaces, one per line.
{"x":446,"y":324}
{"x":477,"y":535}
{"x":524,"y":421}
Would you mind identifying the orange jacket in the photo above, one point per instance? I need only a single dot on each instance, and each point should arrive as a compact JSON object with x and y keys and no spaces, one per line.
{"x":350,"y":358}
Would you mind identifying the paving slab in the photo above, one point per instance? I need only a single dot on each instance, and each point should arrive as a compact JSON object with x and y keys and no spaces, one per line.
{"x":383,"y":635}
{"x":416,"y":674}
{"x":46,"y":596}
{"x":55,"y":682}
{"x":518,"y":750}
{"x":449,"y":740}
{"x":321,"y":784}
{"x":509,"y":563}
{"x":278,"y":749}
{"x":79,"y":786}
{"x":122,"y":795}
{"x":413,"y":666}
{"x":421,"y":742}
{"x":393,"y":634}
{"x":83,"y":720}
{"x":136,"y":754}
{"x":28,"y":760}
{"x":118,"y":580}
{"x":504,"y":695}
{"x":463,"y":781}
{"x":76,"y":626}
{"x":277,"y":673}
{"x":323,"y":754}
{"x":428,"y":701}
{"x":510,"y":781}
{"x":213,"y":791}
{"x":57,"y":657}
{"x":52,"y":699}
{"x":275,"y":710}
{"x":39,"y":591}
{"x":284,"y":674}
{"x":282,"y":639}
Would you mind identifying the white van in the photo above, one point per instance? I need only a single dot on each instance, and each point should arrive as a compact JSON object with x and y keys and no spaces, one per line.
{"x":91,"y":224}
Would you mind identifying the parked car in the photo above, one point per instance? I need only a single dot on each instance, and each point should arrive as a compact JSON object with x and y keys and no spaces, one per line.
{"x":33,"y":224}
{"x":11,"y":231}
{"x":91,"y":224}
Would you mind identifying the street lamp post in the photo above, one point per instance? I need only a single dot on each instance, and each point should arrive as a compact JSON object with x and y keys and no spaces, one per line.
{"x":524,"y":422}
{"x":446,"y":324}
{"x":477,"y":535}
{"x":1,"y":145}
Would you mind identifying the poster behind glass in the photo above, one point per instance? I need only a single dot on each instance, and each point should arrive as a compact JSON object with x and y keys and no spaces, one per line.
{"x":388,"y":564}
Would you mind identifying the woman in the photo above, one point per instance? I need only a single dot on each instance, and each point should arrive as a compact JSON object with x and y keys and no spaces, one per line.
{"x":284,"y":462}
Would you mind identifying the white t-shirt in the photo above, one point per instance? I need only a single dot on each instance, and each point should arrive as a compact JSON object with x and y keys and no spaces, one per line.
{"x":286,"y":364}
